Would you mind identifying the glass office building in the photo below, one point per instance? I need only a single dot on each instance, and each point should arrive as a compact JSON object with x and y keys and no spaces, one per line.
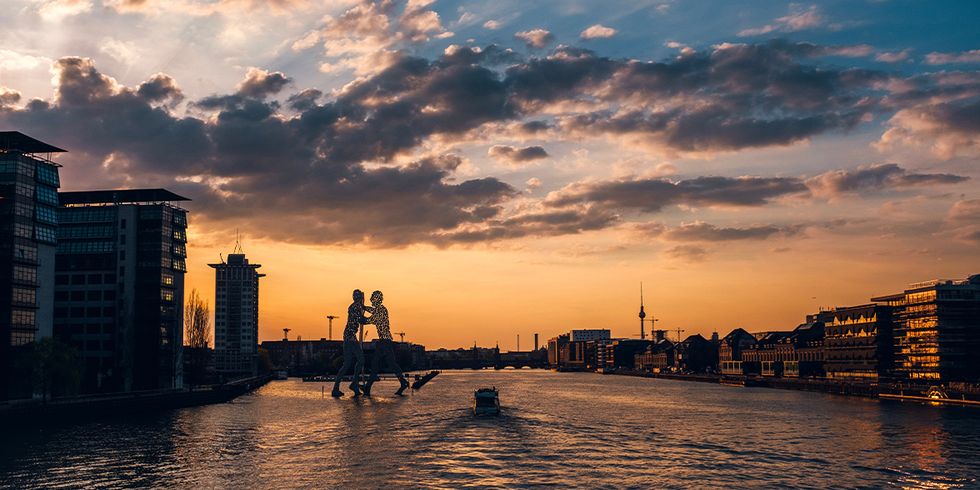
{"x":119,"y":287}
{"x":28,"y":220}
{"x":937,"y":330}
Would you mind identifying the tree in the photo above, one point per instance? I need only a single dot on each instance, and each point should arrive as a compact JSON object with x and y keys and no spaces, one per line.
{"x":197,"y":318}
{"x":197,"y":352}
{"x":57,"y":368}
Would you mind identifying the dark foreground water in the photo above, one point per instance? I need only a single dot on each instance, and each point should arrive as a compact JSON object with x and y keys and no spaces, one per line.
{"x":567,"y":430}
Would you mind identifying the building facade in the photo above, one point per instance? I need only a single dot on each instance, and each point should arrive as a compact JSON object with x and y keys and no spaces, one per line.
{"x":119,"y":287}
{"x":858,"y":343}
{"x":587,"y":334}
{"x":730,"y":350}
{"x":29,"y":184}
{"x":236,"y":316}
{"x":937,"y":330}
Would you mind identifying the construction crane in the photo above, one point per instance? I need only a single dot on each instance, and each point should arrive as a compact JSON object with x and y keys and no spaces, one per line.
{"x":285,"y":334}
{"x":330,"y":326}
{"x":679,"y":332}
{"x":400,"y":334}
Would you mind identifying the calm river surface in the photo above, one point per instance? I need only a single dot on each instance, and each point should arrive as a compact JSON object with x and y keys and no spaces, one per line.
{"x":561,"y":429}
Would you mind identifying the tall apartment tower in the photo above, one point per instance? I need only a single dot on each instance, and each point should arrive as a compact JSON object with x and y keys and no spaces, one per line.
{"x":28,"y":221}
{"x":236,"y":316}
{"x":119,"y":287}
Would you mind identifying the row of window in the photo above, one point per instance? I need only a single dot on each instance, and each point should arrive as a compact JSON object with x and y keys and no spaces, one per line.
{"x":96,"y":230}
{"x":88,"y":215}
{"x":22,"y":318}
{"x":81,"y":279}
{"x":94,"y":247}
{"x":24,"y":296}
{"x":83,"y":312}
{"x":91,"y":295}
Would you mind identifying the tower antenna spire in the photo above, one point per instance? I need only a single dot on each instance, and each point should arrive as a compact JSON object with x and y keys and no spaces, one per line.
{"x":238,"y":243}
{"x":643,"y":314}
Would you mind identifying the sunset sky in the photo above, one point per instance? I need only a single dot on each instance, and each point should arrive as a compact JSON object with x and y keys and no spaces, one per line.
{"x":511,"y":167}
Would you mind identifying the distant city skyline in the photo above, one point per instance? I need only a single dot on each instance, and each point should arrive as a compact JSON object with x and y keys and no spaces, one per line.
{"x":504,"y":168}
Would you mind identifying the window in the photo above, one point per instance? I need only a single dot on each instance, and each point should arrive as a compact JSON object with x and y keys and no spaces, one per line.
{"x":109,"y":294}
{"x":25,"y":252}
{"x":95,"y":278}
{"x":46,"y":233}
{"x":77,"y":312}
{"x":48,"y":174}
{"x":23,"y":230}
{"x":78,"y":279}
{"x":47,"y":214}
{"x":61,"y":279}
{"x":61,"y":295}
{"x":47,"y":195}
{"x":25,"y":274}
{"x":93,"y":312}
{"x":26,"y":296}
{"x":122,"y":224}
{"x":167,"y":279}
{"x":21,"y":337}
{"x":94,"y":295}
{"x":23,"y":208}
{"x":78,"y":295}
{"x":167,"y":295}
{"x":22,"y":317}
{"x":110,"y":278}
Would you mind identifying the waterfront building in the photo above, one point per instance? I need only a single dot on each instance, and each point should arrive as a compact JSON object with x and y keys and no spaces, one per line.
{"x":555,"y":345}
{"x":236,"y":316}
{"x":798,"y":352}
{"x":29,"y":184}
{"x":695,"y":354}
{"x":760,"y":358}
{"x":730,"y":350}
{"x":858,"y":343}
{"x":119,"y":286}
{"x":621,"y":353}
{"x":937,"y":330}
{"x":587,"y":334}
{"x":657,"y":357}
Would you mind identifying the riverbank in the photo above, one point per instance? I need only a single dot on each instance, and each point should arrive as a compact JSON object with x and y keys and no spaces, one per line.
{"x":30,"y":413}
{"x":942,"y":395}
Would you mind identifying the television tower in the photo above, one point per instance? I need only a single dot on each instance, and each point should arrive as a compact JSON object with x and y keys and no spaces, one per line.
{"x":643,"y":314}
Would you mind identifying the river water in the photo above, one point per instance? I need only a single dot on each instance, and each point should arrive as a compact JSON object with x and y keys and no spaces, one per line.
{"x":561,"y":429}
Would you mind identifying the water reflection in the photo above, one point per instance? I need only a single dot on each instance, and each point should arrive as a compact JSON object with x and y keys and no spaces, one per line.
{"x":579,"y":430}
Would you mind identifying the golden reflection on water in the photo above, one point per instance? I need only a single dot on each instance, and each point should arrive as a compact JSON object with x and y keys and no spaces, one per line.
{"x":580,"y":430}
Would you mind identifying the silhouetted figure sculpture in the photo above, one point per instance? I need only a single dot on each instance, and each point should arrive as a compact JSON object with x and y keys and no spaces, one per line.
{"x":385,"y":347}
{"x":353,"y":354}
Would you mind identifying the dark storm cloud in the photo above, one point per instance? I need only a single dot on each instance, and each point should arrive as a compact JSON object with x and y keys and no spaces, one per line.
{"x":652,"y":195}
{"x":261,"y":83}
{"x":875,"y":178}
{"x":733,"y":97}
{"x":517,"y":155}
{"x":160,"y":88}
{"x":705,"y":232}
{"x":325,"y":172}
{"x":542,"y":223}
{"x":8,"y":97}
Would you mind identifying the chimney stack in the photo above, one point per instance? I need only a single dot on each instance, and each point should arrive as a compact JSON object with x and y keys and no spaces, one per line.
{"x":535,"y":342}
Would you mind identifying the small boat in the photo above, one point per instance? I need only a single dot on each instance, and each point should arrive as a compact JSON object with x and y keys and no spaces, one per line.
{"x":420,"y":381}
{"x":486,"y":402}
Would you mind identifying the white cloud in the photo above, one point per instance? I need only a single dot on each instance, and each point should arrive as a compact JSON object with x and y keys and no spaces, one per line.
{"x":536,"y":38}
{"x":894,"y":57}
{"x":598,"y":31}
{"x":55,"y":10}
{"x":935,"y":58}
{"x":13,"y":60}
{"x":492,"y":24}
{"x":797,"y":20}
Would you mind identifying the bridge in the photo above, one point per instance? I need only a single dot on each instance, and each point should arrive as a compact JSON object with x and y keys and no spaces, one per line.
{"x":521,"y":359}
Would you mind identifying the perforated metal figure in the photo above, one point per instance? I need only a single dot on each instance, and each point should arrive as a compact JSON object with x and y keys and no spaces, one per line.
{"x":384,"y":349}
{"x":353,"y":354}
